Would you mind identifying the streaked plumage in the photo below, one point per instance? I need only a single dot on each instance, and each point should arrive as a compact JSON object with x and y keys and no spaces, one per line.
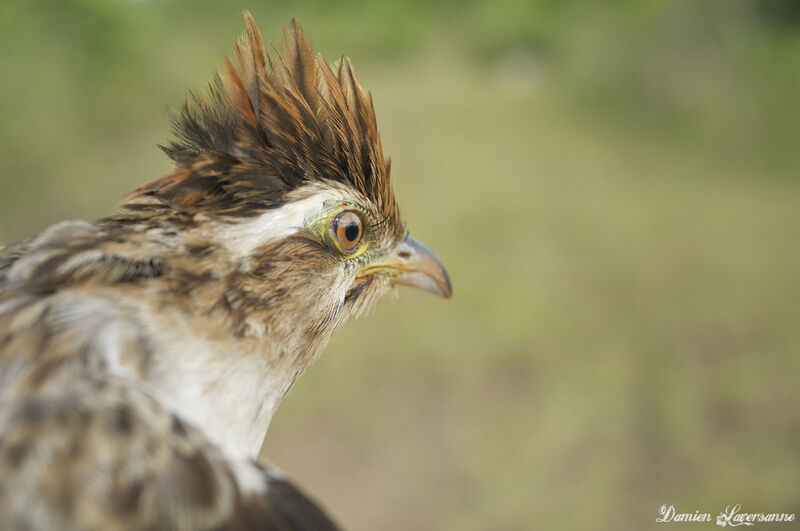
{"x":143,"y":356}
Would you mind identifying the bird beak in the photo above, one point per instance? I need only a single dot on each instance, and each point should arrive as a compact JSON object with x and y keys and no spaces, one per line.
{"x":411,"y":263}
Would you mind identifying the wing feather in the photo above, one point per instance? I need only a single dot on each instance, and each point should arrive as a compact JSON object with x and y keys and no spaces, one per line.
{"x":104,"y":453}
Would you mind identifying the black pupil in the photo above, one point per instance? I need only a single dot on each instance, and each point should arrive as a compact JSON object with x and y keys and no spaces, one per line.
{"x":351,"y":231}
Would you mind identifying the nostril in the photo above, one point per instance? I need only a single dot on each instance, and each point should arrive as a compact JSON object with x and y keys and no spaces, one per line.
{"x":405,"y":255}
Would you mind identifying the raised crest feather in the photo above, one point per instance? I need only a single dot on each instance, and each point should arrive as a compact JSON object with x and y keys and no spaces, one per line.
{"x":269,"y":124}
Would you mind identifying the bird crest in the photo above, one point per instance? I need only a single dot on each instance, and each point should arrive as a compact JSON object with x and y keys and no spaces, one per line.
{"x":269,"y":124}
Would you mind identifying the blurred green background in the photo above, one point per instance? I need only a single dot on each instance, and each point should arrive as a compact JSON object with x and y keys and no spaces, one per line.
{"x":613,"y":187}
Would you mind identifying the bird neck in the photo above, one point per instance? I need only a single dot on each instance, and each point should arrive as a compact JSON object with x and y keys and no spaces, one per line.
{"x":232,"y":345}
{"x":229,"y":385}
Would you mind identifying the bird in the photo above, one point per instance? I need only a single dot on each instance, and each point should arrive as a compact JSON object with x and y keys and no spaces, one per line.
{"x":143,"y":355}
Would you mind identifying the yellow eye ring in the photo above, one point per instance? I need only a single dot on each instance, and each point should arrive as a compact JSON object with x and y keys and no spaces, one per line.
{"x":347,"y":231}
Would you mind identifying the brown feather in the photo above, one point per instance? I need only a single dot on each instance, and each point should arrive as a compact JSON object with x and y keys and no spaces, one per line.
{"x":271,"y":124}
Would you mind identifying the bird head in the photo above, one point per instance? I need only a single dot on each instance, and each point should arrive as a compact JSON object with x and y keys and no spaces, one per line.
{"x":280,"y":174}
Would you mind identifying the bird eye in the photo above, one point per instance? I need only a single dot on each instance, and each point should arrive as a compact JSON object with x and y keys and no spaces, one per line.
{"x":348,"y":229}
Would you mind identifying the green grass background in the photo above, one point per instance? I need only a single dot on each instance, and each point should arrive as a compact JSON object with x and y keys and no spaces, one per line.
{"x":613,"y":188}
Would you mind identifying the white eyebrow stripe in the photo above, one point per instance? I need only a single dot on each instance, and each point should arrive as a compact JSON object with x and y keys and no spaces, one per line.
{"x":240,"y":239}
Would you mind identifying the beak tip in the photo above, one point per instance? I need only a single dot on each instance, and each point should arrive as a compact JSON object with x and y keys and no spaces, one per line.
{"x":447,"y":288}
{"x":426,"y":271}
